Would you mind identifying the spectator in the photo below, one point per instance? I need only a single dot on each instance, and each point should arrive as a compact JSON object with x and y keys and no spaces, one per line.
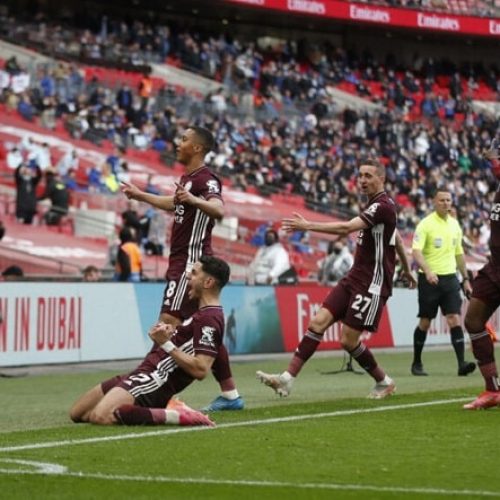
{"x":157,"y":231}
{"x":14,"y":158}
{"x":132,"y":219}
{"x":27,"y":179}
{"x":109,"y":181}
{"x":13,"y":273}
{"x":91,"y":274}
{"x":94,"y":179}
{"x":68,"y":162}
{"x":336,"y":264}
{"x":128,"y":265}
{"x":270,"y":261}
{"x":12,"y":66}
{"x":58,"y":194}
{"x":145,"y":90}
{"x":72,"y":183}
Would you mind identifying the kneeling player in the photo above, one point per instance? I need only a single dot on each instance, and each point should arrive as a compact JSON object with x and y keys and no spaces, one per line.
{"x":179,"y":356}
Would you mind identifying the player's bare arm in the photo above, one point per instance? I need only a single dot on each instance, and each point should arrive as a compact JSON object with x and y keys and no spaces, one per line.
{"x":197,"y":366}
{"x":213,"y":207}
{"x":401,"y":251}
{"x":131,"y":191}
{"x":343,"y":228}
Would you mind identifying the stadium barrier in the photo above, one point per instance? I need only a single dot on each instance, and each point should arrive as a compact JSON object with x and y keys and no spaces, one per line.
{"x":50,"y":323}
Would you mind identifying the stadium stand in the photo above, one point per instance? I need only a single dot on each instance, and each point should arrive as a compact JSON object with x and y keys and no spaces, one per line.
{"x":280,"y":133}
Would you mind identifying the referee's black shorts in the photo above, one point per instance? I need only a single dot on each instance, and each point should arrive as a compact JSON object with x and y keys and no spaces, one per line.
{"x":445,"y":295}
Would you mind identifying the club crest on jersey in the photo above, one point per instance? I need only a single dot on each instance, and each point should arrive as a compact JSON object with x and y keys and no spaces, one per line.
{"x":372,"y":209}
{"x":188,"y":186}
{"x":213,"y":186}
{"x":208,"y":336}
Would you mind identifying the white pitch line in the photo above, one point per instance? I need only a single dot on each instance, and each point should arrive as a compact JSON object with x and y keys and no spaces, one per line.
{"x":266,"y":484}
{"x":177,"y":430}
{"x":40,"y":467}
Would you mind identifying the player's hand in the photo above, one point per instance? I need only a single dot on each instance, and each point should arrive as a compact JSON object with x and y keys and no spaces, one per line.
{"x":182,"y":195}
{"x":410,"y":280}
{"x":161,"y":332}
{"x":298,"y":223}
{"x":131,"y":191}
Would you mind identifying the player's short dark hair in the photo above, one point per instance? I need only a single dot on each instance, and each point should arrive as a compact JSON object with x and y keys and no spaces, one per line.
{"x":204,"y":137}
{"x":373,"y":162}
{"x":217,"y":268}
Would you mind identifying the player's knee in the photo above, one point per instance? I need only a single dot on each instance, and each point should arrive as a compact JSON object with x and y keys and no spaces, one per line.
{"x":473,"y":324}
{"x":75,"y":416}
{"x":101,"y":418}
{"x":347,"y":344}
{"x":318,"y":326}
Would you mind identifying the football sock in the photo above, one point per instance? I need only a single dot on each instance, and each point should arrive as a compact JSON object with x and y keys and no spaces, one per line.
{"x":457,"y":340}
{"x":484,"y":352}
{"x":233,"y":394}
{"x":172,"y":417}
{"x":364,"y":357}
{"x":419,"y":337}
{"x":306,"y":348}
{"x":138,"y":415}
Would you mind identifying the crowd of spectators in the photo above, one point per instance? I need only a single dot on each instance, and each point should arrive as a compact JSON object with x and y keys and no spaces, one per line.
{"x":301,"y":143}
{"x":280,"y":72}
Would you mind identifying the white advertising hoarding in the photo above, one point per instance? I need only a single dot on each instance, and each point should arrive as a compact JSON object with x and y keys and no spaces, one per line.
{"x":63,"y":323}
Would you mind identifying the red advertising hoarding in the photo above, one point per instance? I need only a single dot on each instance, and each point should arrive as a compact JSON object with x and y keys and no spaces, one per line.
{"x":297,"y":305}
{"x":383,"y":16}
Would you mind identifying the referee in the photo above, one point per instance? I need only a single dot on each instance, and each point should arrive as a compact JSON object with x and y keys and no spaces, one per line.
{"x":437,"y":249}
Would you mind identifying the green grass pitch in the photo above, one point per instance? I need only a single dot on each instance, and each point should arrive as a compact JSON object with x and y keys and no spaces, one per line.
{"x":325,"y":441}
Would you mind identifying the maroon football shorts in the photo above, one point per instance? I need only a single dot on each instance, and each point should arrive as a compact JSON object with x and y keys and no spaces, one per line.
{"x":486,"y":285}
{"x":358,"y":309}
{"x":140,"y":383}
{"x":176,"y":301}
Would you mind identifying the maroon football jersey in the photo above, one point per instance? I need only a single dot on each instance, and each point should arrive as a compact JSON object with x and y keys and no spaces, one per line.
{"x":495,"y":230}
{"x":374,"y":262}
{"x":202,"y":333}
{"x":192,"y":229}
